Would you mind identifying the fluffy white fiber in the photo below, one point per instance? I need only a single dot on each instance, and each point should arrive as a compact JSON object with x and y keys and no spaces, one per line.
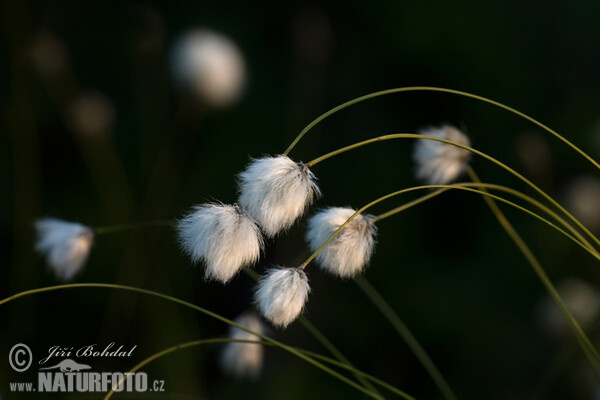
{"x":350,"y":250}
{"x":222,"y":236}
{"x":244,"y":359}
{"x":66,"y":245}
{"x":440,"y":163}
{"x":275,"y":191}
{"x":281,"y":295}
{"x":210,"y":65}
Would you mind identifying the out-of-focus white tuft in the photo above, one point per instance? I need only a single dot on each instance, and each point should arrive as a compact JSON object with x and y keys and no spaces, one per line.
{"x":582,"y":300}
{"x":65,"y":245}
{"x":48,"y":54}
{"x":92,"y":115}
{"x":209,"y":65}
{"x":350,"y":250}
{"x":582,"y":198}
{"x":275,"y":191}
{"x":244,"y":360}
{"x":281,"y":295}
{"x":223,"y":236}
{"x":440,"y":163}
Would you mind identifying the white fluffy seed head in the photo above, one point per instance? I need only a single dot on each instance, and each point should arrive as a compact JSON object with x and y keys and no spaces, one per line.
{"x":440,"y":163}
{"x":350,"y":250}
{"x":210,"y":65}
{"x":244,"y":360}
{"x":222,"y":236}
{"x":65,"y":245}
{"x":275,"y":191}
{"x":281,"y":295}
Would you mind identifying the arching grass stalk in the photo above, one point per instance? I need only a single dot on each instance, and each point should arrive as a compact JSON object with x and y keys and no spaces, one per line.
{"x":461,"y":186}
{"x":389,"y":313}
{"x":575,"y":235}
{"x":321,"y":338}
{"x":134,"y":225}
{"x":412,"y":342}
{"x":470,"y":149}
{"x":200,"y":342}
{"x":204,"y":311}
{"x":317,"y":334}
{"x":442,"y":90}
{"x":580,"y":335}
{"x":583,"y":339}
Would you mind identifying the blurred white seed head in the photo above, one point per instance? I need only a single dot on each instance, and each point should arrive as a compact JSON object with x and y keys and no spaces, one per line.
{"x":222,"y":236}
{"x":65,"y":245}
{"x":209,"y":65}
{"x":281,"y":295}
{"x":92,"y":115}
{"x":439,"y":163}
{"x":244,"y":360}
{"x":275,"y":191}
{"x":582,"y":300}
{"x":350,"y":250}
{"x":48,"y":54}
{"x":582,"y":198}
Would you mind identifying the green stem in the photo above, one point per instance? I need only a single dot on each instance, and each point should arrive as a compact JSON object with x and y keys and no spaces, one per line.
{"x":409,"y":204}
{"x":470,"y":149}
{"x":584,"y":341}
{"x":442,"y":90}
{"x":227,"y":340}
{"x":317,"y":334}
{"x":406,"y":334}
{"x":203,"y":311}
{"x":581,"y":241}
{"x":462,"y":186}
{"x":134,"y":225}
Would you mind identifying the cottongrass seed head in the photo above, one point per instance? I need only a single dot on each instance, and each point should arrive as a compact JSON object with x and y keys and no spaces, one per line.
{"x":244,"y":360}
{"x":65,"y":245}
{"x":350,"y":250}
{"x":281,"y":295}
{"x":440,"y":163}
{"x":209,"y":65}
{"x":275,"y":191}
{"x":222,"y":236}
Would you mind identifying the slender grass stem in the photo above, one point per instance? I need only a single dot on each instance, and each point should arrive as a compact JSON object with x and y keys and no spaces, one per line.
{"x":442,"y":90}
{"x":134,"y":225}
{"x":204,"y":311}
{"x":470,"y":149}
{"x":393,"y":318}
{"x":200,"y":342}
{"x":581,"y":241}
{"x":317,"y":334}
{"x":463,"y":186}
{"x":409,"y":204}
{"x":583,"y":339}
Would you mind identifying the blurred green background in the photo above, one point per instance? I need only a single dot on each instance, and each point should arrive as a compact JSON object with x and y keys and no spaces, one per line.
{"x":446,"y":267}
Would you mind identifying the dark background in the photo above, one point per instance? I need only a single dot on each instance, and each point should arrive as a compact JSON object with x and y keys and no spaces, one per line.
{"x":446,"y":267}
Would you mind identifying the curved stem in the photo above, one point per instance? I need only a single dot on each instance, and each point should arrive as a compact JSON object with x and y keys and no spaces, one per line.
{"x":317,"y":334}
{"x":227,"y":340}
{"x":587,"y":346}
{"x":470,"y":149}
{"x":203,"y":311}
{"x":463,"y":186}
{"x":442,"y":90}
{"x":134,"y":225}
{"x":409,"y":204}
{"x":574,"y":232}
{"x":406,"y":334}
